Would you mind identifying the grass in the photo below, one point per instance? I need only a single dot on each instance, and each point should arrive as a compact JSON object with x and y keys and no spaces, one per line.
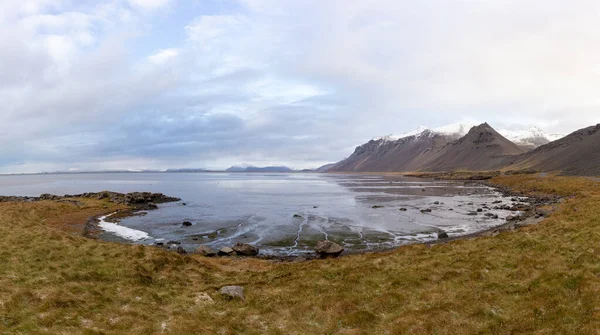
{"x":541,"y":279}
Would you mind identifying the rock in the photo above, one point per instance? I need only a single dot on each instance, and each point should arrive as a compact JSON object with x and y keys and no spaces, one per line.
{"x":297,"y":216}
{"x":442,"y":234}
{"x":186,"y":223}
{"x":173,"y":242}
{"x":543,"y":211}
{"x":423,"y":190}
{"x":450,"y":209}
{"x":183,"y":204}
{"x":151,"y":206}
{"x":470,"y":204}
{"x":159,"y":244}
{"x":497,"y":202}
{"x":479,"y":210}
{"x":472,"y":213}
{"x":511,"y":218}
{"x":436,"y":203}
{"x":206,"y":251}
{"x":181,"y":251}
{"x":377,"y":206}
{"x":426,"y":210}
{"x":232,"y":292}
{"x":315,"y":206}
{"x":245,"y":249}
{"x":402,"y":209}
{"x":226,"y":251}
{"x":327,"y":249}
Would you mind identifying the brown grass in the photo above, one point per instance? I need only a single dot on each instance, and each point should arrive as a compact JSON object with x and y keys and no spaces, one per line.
{"x":542,"y":279}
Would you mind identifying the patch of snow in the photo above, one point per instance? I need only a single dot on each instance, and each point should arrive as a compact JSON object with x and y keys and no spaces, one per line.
{"x":124,"y":232}
{"x":533,"y":135}
{"x":456,"y":129}
{"x":420,"y":129}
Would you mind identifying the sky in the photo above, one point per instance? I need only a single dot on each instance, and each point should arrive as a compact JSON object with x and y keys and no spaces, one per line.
{"x":156,"y":84}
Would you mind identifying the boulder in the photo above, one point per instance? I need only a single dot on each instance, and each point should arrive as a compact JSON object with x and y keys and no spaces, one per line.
{"x":186,"y":223}
{"x":511,"y":218}
{"x":543,"y":211}
{"x":232,"y":292}
{"x":442,"y":234}
{"x":181,"y":251}
{"x":206,"y":251}
{"x":402,"y":209}
{"x":226,"y":251}
{"x":328,"y":249}
{"x":472,"y":213}
{"x":426,"y":210}
{"x":151,"y":206}
{"x":479,"y":210}
{"x":245,"y":249}
{"x":377,"y":206}
{"x":297,"y":216}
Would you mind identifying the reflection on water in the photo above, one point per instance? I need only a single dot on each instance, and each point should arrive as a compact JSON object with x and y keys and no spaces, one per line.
{"x":286,"y":213}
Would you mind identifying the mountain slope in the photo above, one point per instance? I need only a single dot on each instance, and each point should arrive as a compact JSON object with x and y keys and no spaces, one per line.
{"x":576,"y":154}
{"x":390,"y":155}
{"x":482,"y":148}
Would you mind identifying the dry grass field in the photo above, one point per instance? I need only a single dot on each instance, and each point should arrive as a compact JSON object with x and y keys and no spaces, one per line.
{"x":540,"y":279}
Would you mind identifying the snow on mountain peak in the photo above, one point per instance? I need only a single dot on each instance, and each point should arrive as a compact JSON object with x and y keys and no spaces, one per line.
{"x":455,"y":130}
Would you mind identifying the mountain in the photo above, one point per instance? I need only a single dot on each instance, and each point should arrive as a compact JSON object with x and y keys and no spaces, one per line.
{"x":325,"y":167}
{"x":406,"y":152}
{"x":575,"y":154}
{"x":482,"y":148}
{"x":530,"y":138}
{"x":236,"y":168}
{"x":186,"y":170}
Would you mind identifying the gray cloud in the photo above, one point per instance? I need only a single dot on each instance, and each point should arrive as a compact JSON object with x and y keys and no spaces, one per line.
{"x":294,"y":82}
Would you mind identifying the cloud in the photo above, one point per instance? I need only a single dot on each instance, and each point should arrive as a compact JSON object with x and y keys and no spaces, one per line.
{"x":163,"y":56}
{"x":149,"y":4}
{"x":122,"y":84}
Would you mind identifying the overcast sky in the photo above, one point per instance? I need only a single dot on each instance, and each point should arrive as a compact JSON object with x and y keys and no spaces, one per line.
{"x":212,"y":83}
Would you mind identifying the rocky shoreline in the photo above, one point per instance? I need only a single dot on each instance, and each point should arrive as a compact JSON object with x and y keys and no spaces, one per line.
{"x":532,"y":212}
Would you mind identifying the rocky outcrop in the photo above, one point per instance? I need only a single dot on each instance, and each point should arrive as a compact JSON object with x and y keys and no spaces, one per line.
{"x":328,"y":249}
{"x":138,"y":200}
{"x":244,"y":249}
{"x":226,"y":251}
{"x":232,"y":292}
{"x":206,"y":251}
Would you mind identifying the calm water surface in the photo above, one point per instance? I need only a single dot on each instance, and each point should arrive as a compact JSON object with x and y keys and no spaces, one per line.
{"x":285,"y":213}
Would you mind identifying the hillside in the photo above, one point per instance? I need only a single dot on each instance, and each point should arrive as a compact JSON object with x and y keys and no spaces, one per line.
{"x":406,"y":152}
{"x":482,"y":148}
{"x":538,"y":279}
{"x":576,"y":154}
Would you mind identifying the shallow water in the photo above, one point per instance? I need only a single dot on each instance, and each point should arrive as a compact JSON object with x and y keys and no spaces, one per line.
{"x":259,"y":209}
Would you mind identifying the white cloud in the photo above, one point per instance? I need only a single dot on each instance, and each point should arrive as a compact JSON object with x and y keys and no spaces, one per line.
{"x":163,"y":56}
{"x":149,"y":4}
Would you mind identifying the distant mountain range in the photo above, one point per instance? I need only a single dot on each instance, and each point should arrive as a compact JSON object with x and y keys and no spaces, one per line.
{"x":250,"y":168}
{"x":477,"y":148}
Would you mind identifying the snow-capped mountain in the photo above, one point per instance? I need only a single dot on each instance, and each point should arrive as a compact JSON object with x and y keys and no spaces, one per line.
{"x":530,"y":138}
{"x":454,"y":131}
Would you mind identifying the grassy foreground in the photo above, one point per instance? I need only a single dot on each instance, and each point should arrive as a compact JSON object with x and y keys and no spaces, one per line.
{"x":541,"y":279}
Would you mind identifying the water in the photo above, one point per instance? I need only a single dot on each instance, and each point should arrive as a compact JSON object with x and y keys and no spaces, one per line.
{"x":284,"y":213}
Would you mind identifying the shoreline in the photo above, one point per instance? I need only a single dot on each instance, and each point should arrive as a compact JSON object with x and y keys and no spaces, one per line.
{"x":527,"y":217}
